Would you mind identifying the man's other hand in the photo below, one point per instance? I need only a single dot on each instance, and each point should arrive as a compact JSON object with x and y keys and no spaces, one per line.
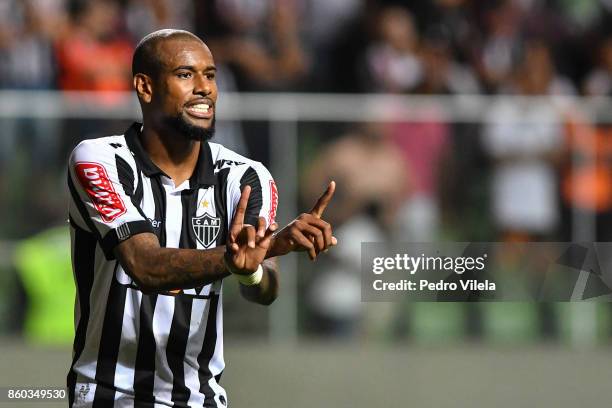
{"x":308,"y":232}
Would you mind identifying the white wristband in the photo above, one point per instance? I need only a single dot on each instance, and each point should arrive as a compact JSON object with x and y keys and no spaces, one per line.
{"x":252,"y":279}
{"x":247,"y":280}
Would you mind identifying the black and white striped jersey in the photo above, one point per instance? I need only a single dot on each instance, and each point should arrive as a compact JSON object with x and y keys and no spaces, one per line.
{"x":161,"y":349}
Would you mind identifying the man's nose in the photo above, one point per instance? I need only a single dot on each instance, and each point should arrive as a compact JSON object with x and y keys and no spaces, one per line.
{"x":201,"y":85}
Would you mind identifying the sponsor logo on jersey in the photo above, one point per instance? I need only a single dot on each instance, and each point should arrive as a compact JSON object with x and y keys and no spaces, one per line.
{"x":155,"y":223}
{"x":273,"y":202}
{"x":206,"y":228}
{"x":224,"y":163}
{"x":99,"y":188}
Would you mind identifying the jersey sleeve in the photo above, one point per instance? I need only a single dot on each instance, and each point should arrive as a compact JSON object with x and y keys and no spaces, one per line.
{"x":102,"y":185}
{"x":263,"y":200}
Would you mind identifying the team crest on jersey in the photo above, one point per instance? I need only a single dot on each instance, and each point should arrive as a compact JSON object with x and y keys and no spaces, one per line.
{"x":206,"y":228}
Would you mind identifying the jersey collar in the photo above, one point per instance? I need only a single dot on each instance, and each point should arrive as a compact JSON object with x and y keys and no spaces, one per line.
{"x":203,"y":174}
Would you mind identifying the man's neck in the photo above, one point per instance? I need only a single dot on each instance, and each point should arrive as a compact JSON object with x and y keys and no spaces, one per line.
{"x":174,"y":154}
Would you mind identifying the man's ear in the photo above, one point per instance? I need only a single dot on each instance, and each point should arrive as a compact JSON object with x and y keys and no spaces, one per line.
{"x":144,"y":87}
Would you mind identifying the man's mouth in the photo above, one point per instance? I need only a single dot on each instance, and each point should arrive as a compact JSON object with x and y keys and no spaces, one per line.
{"x":200,"y":110}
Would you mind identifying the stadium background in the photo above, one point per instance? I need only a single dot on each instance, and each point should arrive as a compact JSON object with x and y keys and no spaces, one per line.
{"x":458,"y":120}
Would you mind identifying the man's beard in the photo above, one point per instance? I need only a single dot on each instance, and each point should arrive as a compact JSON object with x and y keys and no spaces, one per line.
{"x":191,"y":132}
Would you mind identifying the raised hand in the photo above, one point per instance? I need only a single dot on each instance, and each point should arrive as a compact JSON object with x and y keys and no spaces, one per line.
{"x":308,"y":232}
{"x":321,"y":204}
{"x":247,"y":247}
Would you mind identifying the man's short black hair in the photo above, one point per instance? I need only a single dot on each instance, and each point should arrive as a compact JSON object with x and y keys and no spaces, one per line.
{"x":146,"y":55}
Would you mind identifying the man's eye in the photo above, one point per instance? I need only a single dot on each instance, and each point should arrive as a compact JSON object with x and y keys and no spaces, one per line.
{"x":210,"y":76}
{"x":184,"y":75}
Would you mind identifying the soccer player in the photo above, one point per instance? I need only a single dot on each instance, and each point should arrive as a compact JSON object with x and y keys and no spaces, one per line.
{"x":159,"y":216}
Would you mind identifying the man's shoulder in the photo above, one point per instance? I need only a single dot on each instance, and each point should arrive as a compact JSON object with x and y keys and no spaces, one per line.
{"x":100,"y":148}
{"x":224,"y":158}
{"x":114,"y":142}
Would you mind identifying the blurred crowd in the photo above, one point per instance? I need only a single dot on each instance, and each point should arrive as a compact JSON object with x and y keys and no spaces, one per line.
{"x":521,"y":173}
{"x":397,"y":46}
{"x":422,"y":46}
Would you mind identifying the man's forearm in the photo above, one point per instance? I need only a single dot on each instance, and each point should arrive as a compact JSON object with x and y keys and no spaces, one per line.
{"x":189,"y":268}
{"x":266,"y":291}
{"x":155,"y":269}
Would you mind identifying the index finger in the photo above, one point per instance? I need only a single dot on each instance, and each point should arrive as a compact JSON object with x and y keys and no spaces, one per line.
{"x":322,"y":202}
{"x":238,"y":219}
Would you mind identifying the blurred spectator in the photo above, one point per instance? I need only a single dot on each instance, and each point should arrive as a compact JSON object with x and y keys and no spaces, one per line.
{"x":346,"y":56}
{"x":372,"y":185}
{"x":145,"y":16}
{"x":260,"y":40}
{"x":599,"y":80}
{"x":423,"y":146}
{"x":536,"y":73}
{"x":95,"y":55}
{"x":545,"y":20}
{"x":441,"y":73}
{"x":371,"y":174}
{"x":327,"y":18}
{"x":525,"y":142}
{"x":325,"y":24}
{"x":26,"y":51}
{"x":392,"y":61}
{"x":455,"y":19}
{"x":496,"y":56}
{"x":587,"y":180}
